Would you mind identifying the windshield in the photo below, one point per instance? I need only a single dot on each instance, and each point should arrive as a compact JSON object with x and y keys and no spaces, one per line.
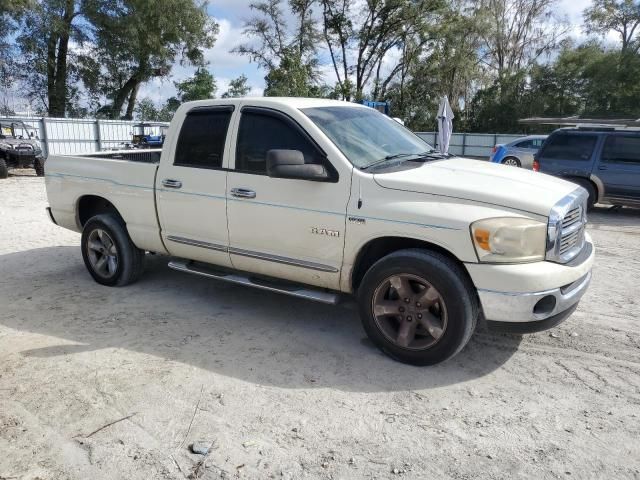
{"x":364,"y":135}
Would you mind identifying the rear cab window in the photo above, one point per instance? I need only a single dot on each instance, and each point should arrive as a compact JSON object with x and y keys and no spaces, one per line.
{"x":202,"y":138}
{"x":569,"y":146}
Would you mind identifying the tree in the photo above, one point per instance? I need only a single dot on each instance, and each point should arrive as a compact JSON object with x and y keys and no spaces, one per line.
{"x":199,"y":87}
{"x":284,"y":49}
{"x":516,"y":33}
{"x":237,"y":87}
{"x":46,"y":30}
{"x":359,"y":40}
{"x":137,"y":40}
{"x":440,"y":60}
{"x":622,"y":17}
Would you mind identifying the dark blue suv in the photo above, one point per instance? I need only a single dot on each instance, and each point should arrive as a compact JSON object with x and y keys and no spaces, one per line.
{"x":606,"y":162}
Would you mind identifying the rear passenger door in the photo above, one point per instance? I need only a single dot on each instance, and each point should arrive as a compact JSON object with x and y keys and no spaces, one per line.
{"x":619,"y":167}
{"x":569,"y":154}
{"x":191,"y":187}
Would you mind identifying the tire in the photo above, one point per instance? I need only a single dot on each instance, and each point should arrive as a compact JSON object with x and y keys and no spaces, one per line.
{"x":108,"y":232}
{"x":590,"y":188}
{"x":452,"y":317}
{"x":511,"y":161}
{"x":4,"y":170}
{"x":38,"y":166}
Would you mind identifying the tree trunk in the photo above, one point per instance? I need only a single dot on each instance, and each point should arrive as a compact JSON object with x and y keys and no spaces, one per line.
{"x":57,"y":74}
{"x":132,"y":102}
{"x":121,"y":96}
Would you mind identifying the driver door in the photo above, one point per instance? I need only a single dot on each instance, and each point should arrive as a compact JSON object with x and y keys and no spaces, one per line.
{"x":286,"y":228}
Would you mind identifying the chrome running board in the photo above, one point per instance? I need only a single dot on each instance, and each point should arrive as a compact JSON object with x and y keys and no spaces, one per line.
{"x":241,"y":278}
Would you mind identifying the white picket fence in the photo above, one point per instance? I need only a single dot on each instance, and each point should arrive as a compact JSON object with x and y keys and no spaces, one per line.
{"x":68,"y":136}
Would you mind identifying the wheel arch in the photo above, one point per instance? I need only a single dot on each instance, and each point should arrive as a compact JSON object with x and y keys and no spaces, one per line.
{"x":596,"y":183}
{"x":380,"y":247}
{"x":88,"y":206}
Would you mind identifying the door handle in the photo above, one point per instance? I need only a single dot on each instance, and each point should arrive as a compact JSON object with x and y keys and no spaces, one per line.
{"x":169,"y":183}
{"x":243,"y":193}
{"x":602,"y":167}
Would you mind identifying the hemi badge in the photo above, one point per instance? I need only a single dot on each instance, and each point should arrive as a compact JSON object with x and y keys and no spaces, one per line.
{"x":357,"y":220}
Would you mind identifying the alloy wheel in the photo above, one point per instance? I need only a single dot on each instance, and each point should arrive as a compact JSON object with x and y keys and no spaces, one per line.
{"x":409,"y":311}
{"x":102,"y":253}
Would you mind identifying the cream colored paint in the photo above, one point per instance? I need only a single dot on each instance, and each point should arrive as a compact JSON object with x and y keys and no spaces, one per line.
{"x":435,"y":203}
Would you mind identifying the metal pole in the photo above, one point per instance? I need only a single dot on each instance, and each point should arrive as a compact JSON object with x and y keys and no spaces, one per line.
{"x":98,"y":135}
{"x":464,"y":143}
{"x":45,"y":135}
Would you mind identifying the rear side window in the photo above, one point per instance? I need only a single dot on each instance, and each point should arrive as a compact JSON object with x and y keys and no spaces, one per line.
{"x":525,"y":144}
{"x":202,"y":138}
{"x":621,"y":149}
{"x":259,"y":133}
{"x":570,"y":147}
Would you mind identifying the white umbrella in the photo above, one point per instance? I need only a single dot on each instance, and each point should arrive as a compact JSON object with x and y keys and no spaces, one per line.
{"x":445,"y":125}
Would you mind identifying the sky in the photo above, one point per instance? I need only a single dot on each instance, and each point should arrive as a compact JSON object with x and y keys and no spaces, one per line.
{"x":231,"y":15}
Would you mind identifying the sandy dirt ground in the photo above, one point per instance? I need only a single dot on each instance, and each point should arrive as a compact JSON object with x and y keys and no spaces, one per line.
{"x":284,"y":388}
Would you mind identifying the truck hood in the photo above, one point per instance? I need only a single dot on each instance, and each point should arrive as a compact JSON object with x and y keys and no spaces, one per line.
{"x":480,"y":181}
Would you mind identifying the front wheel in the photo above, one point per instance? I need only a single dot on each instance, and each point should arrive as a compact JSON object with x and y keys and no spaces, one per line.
{"x":108,"y":253}
{"x":38,"y":166}
{"x":418,"y":306}
{"x":4,"y":170}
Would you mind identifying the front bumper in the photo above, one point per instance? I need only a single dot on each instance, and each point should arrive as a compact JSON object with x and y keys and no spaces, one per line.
{"x":532,"y":307}
{"x":521,"y":308}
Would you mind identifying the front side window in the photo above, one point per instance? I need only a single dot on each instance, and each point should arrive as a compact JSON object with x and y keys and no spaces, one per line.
{"x":364,"y":135}
{"x":260,"y":132}
{"x":202,"y":138}
{"x":570,"y":147}
{"x":622,"y":149}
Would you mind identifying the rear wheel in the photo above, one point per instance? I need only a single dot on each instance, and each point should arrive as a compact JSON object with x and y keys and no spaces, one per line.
{"x":590,"y":188}
{"x":108,"y":253}
{"x":418,"y":306}
{"x":4,"y":170}
{"x":512,"y":162}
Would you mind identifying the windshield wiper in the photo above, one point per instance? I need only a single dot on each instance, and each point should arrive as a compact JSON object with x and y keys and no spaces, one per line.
{"x":394,"y":157}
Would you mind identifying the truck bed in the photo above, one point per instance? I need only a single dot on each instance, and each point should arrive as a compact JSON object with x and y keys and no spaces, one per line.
{"x":125,"y":178}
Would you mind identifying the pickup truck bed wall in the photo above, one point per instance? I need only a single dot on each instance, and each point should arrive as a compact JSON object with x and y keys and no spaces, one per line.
{"x":127,"y":184}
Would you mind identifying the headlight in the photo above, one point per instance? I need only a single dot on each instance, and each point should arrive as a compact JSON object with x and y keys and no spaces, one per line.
{"x":509,"y":240}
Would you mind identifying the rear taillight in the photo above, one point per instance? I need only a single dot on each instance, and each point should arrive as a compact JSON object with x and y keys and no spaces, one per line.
{"x":536,"y":166}
{"x":494,"y":149}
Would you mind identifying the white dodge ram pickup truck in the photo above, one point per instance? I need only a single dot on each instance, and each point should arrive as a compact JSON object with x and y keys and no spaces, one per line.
{"x":318,"y":198}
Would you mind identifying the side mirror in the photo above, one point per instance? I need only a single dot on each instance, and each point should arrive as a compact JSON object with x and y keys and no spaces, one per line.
{"x":290,"y":164}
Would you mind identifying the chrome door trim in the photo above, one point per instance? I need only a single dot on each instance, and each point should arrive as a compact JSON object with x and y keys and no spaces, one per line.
{"x":198,"y":243}
{"x":251,"y":254}
{"x":284,"y":260}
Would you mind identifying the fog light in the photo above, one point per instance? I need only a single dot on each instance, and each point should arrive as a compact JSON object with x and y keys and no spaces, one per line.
{"x":545,"y":305}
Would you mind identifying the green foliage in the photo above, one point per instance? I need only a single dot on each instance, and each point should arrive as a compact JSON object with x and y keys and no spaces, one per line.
{"x":137,"y":40}
{"x":199,"y":87}
{"x":292,"y":78}
{"x":238,"y":87}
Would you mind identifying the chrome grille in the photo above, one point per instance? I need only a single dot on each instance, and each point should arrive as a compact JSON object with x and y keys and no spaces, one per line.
{"x":567,"y":221}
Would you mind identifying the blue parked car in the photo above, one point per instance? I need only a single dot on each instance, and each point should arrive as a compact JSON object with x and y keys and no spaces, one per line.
{"x":605,"y":161}
{"x":518,"y":153}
